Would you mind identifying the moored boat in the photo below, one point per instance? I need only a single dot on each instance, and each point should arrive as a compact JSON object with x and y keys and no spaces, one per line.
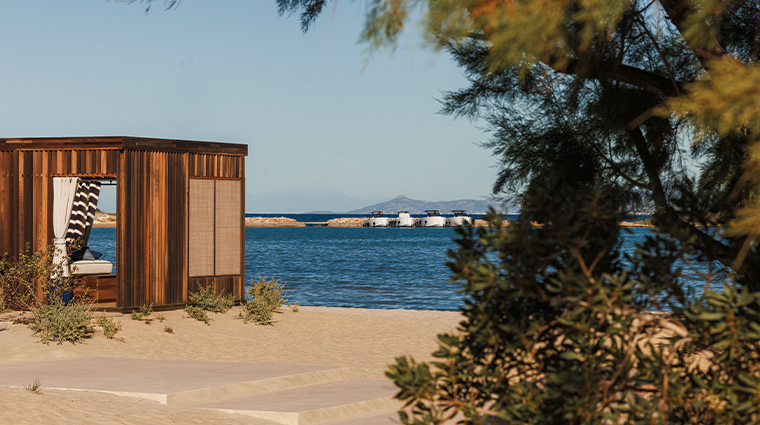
{"x":378,"y":219}
{"x":459,"y":219}
{"x":404,"y":219}
{"x":433,"y":219}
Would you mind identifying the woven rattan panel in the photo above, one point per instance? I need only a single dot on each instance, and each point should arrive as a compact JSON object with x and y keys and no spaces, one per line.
{"x":201,"y":228}
{"x":228,"y":227}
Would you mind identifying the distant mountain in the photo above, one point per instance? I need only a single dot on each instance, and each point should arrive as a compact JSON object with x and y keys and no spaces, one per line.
{"x":301,"y":201}
{"x":402,"y":203}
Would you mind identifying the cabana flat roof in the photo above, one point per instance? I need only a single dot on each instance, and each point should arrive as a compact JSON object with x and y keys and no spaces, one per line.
{"x":123,"y":142}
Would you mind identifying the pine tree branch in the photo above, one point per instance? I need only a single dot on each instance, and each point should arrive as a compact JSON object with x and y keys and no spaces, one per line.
{"x":676,"y":12}
{"x":670,"y":221}
{"x":646,"y":80}
{"x":659,"y":52}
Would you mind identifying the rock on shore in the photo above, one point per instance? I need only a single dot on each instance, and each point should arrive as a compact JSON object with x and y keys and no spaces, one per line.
{"x":346,"y":222}
{"x":272,"y":222}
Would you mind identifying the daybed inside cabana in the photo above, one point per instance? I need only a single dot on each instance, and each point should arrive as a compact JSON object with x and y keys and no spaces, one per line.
{"x":180,"y":212}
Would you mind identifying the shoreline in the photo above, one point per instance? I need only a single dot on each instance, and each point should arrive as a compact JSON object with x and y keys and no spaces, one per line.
{"x":340,"y":222}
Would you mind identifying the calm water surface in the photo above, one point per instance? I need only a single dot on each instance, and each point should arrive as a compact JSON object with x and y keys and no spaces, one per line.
{"x":382,"y":268}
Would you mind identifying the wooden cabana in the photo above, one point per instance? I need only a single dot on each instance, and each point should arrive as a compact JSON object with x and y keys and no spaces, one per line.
{"x":180,"y":211}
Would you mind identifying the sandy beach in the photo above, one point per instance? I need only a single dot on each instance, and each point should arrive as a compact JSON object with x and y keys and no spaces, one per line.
{"x":365,"y":341}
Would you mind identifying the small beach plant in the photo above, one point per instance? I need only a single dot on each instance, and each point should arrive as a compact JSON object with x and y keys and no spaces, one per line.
{"x":110,"y":326}
{"x":144,"y":311}
{"x":197,"y":313}
{"x":206,"y":299}
{"x":263,"y":299}
{"x":61,"y":322}
{"x":34,"y":387}
{"x":168,"y":329}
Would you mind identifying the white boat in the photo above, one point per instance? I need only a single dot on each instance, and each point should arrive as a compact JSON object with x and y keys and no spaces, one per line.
{"x":433,"y":219}
{"x":404,"y":219}
{"x":459,"y":219}
{"x":377,"y":220}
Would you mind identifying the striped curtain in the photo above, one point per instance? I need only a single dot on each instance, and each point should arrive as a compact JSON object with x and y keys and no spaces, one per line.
{"x":83,"y":211}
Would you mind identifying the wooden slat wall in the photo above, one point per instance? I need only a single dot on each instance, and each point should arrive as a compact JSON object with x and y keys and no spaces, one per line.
{"x":26,"y":190}
{"x":153,"y":205}
{"x":216,"y":166}
{"x":222,"y":284}
{"x":8,"y":202}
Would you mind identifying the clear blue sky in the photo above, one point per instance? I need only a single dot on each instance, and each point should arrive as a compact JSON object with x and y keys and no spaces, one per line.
{"x":311,"y":113}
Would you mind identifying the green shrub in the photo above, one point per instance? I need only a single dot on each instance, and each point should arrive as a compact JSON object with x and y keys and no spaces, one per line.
{"x":168,"y":329}
{"x":263,"y":299}
{"x":197,"y":313}
{"x":19,"y":278}
{"x":109,"y":325}
{"x":160,"y":317}
{"x":145,"y":311}
{"x":62,"y":322}
{"x":206,"y":300}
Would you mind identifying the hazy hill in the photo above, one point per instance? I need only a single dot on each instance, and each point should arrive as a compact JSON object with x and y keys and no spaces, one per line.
{"x":402,"y":203}
{"x":300,"y":201}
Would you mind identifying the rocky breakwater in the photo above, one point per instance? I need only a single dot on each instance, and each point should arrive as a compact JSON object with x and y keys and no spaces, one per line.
{"x":346,"y":222}
{"x":272,"y":222}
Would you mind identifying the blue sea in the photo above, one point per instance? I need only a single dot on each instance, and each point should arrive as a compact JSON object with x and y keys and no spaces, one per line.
{"x":382,"y":268}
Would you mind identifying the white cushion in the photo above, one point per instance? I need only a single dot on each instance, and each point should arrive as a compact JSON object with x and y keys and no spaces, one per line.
{"x":91,"y":267}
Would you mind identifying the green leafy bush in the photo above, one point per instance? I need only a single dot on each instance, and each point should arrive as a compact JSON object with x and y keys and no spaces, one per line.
{"x":19,"y":278}
{"x":197,"y":313}
{"x":263,"y":299}
{"x":62,"y":322}
{"x":145,"y":311}
{"x":207,"y":300}
{"x":110,"y":326}
{"x":557,"y":329}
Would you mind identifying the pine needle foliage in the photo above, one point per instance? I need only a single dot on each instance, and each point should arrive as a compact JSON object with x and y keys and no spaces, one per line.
{"x":557,"y":330}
